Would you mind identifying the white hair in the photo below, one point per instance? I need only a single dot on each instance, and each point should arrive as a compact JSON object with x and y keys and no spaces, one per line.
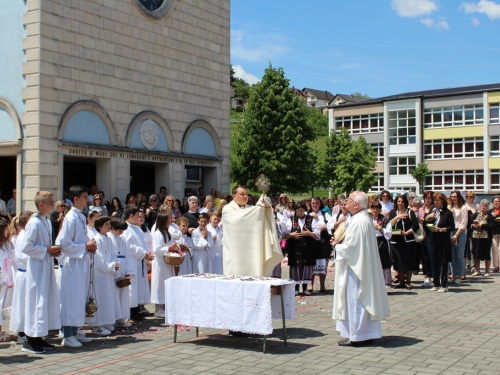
{"x":192,"y":198}
{"x":360,"y":198}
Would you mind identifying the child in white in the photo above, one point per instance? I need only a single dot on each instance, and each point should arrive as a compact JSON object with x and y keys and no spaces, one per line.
{"x":161,"y":271}
{"x":216,"y":232}
{"x":202,"y":245}
{"x":186,"y":244}
{"x":126,"y":270}
{"x":105,"y":267}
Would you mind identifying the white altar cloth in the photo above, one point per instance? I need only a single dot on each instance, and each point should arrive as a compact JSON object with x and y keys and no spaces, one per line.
{"x":237,"y":304}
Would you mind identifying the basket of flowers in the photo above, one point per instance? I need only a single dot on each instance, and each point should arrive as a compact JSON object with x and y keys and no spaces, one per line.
{"x":174,"y":257}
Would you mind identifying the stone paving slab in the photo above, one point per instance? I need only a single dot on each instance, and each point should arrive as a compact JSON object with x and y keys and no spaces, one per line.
{"x":427,"y":333}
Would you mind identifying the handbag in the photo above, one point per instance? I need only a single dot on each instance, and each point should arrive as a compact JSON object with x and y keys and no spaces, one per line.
{"x":419,"y":234}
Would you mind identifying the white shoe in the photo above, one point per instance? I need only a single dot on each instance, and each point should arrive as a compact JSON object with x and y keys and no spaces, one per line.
{"x":427,"y":282}
{"x":457,"y":280}
{"x":123,"y":324}
{"x":307,"y":292}
{"x":21,"y":340}
{"x":110,"y":328}
{"x":101,"y":331}
{"x":83,"y":338}
{"x":71,"y":342}
{"x":160,"y":314}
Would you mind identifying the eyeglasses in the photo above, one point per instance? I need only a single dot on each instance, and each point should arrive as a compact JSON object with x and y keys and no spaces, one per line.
{"x":385,"y":196}
{"x":469,"y":196}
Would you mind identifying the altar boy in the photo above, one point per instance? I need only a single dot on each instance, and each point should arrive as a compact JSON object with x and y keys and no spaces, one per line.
{"x":41,"y":308}
{"x":202,"y":245}
{"x":216,"y":232}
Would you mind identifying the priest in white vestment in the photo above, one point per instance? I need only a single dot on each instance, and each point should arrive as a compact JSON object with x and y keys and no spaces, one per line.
{"x":250,"y":243}
{"x":360,"y":302}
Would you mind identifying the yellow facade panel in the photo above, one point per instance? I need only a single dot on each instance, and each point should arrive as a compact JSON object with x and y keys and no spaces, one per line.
{"x":358,"y":110}
{"x":494,"y":97}
{"x":494,"y":163}
{"x":455,"y":132}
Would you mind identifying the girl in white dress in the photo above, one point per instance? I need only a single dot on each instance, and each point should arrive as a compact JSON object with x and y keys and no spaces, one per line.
{"x":161,"y":271}
{"x":6,"y":274}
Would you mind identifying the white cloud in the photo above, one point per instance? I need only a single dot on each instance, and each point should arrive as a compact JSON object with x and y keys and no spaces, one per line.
{"x":255,"y":47}
{"x":439,"y":24}
{"x":413,"y":8}
{"x":475,"y":22}
{"x":488,"y":7}
{"x":239,"y":72}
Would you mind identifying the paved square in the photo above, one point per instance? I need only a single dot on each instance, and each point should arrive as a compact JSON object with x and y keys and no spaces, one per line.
{"x":427,"y":333}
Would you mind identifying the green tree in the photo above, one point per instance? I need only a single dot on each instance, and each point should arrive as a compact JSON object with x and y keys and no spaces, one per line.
{"x":317,"y":120}
{"x":273,"y":137}
{"x":346,"y":165}
{"x":420,"y":173}
{"x":241,"y":87}
{"x":358,"y":94}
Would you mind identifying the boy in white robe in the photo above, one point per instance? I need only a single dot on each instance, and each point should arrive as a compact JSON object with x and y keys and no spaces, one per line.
{"x":17,"y":312}
{"x":360,"y":301}
{"x":138,"y":248}
{"x":217,"y":235}
{"x":126,"y":271}
{"x":186,"y":244}
{"x":74,"y":268}
{"x":41,"y":309}
{"x":202,"y":245}
{"x":105,"y":268}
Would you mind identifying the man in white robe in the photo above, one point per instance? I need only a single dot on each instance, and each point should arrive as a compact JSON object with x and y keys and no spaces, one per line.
{"x":250,"y":243}
{"x":41,"y":309}
{"x":74,"y":268}
{"x":360,"y":301}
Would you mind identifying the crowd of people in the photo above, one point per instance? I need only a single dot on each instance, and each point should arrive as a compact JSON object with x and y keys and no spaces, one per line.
{"x":119,"y":254}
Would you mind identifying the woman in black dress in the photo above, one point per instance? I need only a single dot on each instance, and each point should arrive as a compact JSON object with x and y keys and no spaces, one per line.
{"x":405,"y":248}
{"x":300,"y":248}
{"x":482,"y":225}
{"x":440,"y":222}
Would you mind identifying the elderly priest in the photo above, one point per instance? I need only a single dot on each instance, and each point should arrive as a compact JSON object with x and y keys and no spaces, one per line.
{"x":360,"y":301}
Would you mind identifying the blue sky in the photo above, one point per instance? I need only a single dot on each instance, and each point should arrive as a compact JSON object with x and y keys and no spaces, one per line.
{"x":376,"y":47}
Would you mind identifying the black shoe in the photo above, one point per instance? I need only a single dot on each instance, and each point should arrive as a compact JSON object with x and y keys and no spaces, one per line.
{"x":45,"y":345}
{"x":138,"y":317}
{"x":238,"y":334}
{"x":355,"y":343}
{"x":32,"y":348}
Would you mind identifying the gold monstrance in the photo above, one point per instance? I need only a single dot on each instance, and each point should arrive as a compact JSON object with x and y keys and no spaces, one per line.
{"x":263,"y":184}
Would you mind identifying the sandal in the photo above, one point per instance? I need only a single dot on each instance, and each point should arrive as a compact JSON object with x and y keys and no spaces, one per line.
{"x":4,"y":337}
{"x":409,"y":287}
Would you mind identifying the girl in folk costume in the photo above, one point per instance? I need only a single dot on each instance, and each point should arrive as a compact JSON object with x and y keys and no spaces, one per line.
{"x":6,"y":274}
{"x":105,"y":268}
{"x":217,"y":234}
{"x":300,"y":248}
{"x":321,"y":225}
{"x":186,"y":244}
{"x":126,"y":270}
{"x":161,"y":271}
{"x":383,"y":231}
{"x":18,"y":302}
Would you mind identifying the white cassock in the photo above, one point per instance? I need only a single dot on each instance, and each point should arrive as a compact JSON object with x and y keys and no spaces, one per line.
{"x":360,"y":301}
{"x":186,"y":267}
{"x":250,"y":245}
{"x":7,"y":277}
{"x":19,"y":297}
{"x":160,"y":271}
{"x":216,"y":250}
{"x":138,"y":247}
{"x":74,"y":268}
{"x":127,"y":267}
{"x":202,"y":257}
{"x":91,"y":232}
{"x":42,"y":309}
{"x":104,"y":283}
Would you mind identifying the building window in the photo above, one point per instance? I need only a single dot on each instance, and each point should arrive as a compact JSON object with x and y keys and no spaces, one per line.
{"x":379,"y":185}
{"x":460,"y":115}
{"x":402,"y":127}
{"x":361,"y":124}
{"x":495,"y":145}
{"x":379,"y":149}
{"x":401,"y":165}
{"x":495,"y":113}
{"x":451,"y":180}
{"x":454,"y":148}
{"x":495,"y":179}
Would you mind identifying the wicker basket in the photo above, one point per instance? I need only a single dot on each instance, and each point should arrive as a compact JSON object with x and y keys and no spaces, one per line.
{"x":173,"y":261}
{"x":123,"y":283}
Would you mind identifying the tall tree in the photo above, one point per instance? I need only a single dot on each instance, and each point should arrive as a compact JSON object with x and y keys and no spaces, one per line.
{"x":420,"y":173}
{"x":273,"y":137}
{"x":346,"y":165}
{"x":317,"y":120}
